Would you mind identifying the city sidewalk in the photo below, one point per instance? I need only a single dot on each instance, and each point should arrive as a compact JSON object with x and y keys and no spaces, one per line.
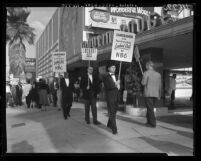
{"x":33,"y":131}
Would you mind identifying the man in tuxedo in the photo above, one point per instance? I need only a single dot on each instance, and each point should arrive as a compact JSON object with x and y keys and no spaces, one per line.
{"x":90,"y":87}
{"x":67,"y":89}
{"x":112,"y":85}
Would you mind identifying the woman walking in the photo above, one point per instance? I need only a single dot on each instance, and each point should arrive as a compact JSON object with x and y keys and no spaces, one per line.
{"x":33,"y":95}
{"x":43,"y":98}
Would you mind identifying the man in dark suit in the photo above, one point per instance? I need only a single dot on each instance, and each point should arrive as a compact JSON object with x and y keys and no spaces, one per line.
{"x":112,"y":85}
{"x":67,"y":89}
{"x":90,"y":87}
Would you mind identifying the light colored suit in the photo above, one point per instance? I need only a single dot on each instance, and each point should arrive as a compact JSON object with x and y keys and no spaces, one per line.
{"x":152,"y":84}
{"x":152,"y":90}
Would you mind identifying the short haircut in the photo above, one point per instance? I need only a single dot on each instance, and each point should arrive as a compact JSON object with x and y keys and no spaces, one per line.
{"x":150,"y":63}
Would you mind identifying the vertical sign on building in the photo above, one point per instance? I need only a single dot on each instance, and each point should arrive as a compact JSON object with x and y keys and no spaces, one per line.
{"x":59,"y":62}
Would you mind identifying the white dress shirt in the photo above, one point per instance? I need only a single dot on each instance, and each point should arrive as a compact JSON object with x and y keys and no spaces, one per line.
{"x":26,"y":89}
{"x":8,"y":89}
{"x":67,"y":81}
{"x":113,"y":77}
{"x":90,"y":77}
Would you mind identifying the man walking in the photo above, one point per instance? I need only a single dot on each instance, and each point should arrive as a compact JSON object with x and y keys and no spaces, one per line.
{"x":67,"y":88}
{"x":26,"y":90}
{"x":111,"y":93}
{"x":90,"y":87}
{"x":172,"y":90}
{"x":152,"y":90}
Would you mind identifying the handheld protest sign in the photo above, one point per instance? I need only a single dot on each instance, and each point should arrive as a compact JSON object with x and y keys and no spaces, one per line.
{"x":89,"y":54}
{"x":122,"y":46}
{"x":59,"y":62}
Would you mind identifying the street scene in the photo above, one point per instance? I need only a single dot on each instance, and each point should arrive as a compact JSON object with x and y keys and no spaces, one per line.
{"x":33,"y":131}
{"x":100,"y":80}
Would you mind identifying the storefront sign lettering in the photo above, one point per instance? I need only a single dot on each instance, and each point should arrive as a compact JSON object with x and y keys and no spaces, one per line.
{"x":100,"y":16}
{"x":137,"y":10}
{"x":177,"y":7}
{"x":132,"y":25}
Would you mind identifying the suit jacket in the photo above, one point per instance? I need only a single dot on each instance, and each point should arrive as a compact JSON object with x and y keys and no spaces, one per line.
{"x":67,"y":92}
{"x":152,"y":83}
{"x":110,"y":88}
{"x":94,"y":86}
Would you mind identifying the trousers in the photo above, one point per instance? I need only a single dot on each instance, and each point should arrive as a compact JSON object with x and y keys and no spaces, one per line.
{"x":90,"y":103}
{"x":150,"y":103}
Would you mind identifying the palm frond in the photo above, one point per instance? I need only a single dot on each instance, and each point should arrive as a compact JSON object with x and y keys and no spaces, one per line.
{"x":17,"y":27}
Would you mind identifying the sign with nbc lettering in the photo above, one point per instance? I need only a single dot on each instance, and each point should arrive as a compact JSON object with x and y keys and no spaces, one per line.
{"x":59,"y":62}
{"x":122,"y":47}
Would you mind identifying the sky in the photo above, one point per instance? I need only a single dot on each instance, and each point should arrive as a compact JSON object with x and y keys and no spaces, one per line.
{"x":38,"y":19}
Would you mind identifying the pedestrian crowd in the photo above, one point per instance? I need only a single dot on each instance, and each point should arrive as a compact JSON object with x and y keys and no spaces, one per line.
{"x":61,"y":91}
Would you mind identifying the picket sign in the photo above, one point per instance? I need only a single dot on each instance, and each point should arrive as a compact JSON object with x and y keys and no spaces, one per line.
{"x":122,"y":47}
{"x":59,"y":62}
{"x":89,"y":53}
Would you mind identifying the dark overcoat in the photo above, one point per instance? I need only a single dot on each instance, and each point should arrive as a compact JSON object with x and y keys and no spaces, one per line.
{"x":94,"y":86}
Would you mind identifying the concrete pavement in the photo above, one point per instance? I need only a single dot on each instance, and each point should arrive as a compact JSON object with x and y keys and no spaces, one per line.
{"x":33,"y":131}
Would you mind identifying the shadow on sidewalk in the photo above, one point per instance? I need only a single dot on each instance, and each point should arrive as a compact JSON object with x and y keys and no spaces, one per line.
{"x":69,"y":135}
{"x":183,"y":133}
{"x":178,"y":120}
{"x":22,"y":147}
{"x":126,"y":119}
{"x":168,"y":147}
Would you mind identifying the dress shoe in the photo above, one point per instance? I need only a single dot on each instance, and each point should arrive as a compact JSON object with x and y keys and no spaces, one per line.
{"x":97,"y":123}
{"x":149,"y":125}
{"x":109,"y":126}
{"x":88,"y":122}
{"x":115,"y":132}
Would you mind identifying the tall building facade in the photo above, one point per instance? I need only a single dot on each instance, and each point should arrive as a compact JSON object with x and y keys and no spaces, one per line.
{"x":47,"y":43}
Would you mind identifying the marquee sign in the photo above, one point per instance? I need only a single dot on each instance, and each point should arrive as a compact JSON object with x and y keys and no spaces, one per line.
{"x":122,"y":16}
{"x":131,"y":10}
{"x":102,"y":19}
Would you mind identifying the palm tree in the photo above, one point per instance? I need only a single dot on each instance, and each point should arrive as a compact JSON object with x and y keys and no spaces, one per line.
{"x":18,"y":31}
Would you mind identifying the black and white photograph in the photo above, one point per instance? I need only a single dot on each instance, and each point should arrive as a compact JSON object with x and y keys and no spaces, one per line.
{"x":99,"y":79}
